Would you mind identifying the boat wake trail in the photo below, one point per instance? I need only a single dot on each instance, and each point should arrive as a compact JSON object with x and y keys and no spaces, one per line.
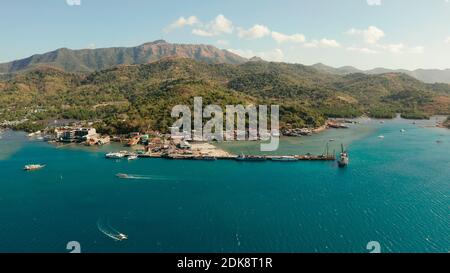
{"x":141,"y":177}
{"x":105,"y":228}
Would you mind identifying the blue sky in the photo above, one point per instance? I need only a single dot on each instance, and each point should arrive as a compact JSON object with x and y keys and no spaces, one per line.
{"x":363,"y":33}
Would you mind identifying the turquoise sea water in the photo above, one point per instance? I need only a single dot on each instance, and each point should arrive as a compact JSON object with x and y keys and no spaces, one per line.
{"x":395,"y":191}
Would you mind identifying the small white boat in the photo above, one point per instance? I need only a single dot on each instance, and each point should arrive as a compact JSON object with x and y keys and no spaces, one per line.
{"x":122,"y":175}
{"x":381,"y":137}
{"x":275,"y":134}
{"x":402,"y":130}
{"x":115,"y":155}
{"x":132,"y":157}
{"x":33,"y":167}
{"x":122,"y":237}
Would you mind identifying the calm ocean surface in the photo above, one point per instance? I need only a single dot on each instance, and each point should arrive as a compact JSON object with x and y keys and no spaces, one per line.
{"x":396,"y":191}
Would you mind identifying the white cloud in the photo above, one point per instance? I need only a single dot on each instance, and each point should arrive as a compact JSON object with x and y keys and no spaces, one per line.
{"x":322,"y":43}
{"x":220,"y":25}
{"x":92,"y":46}
{"x":374,"y":2}
{"x":329,"y":43}
{"x":276,"y":55}
{"x":364,"y":50}
{"x":73,"y":2}
{"x":447,"y":41}
{"x":371,"y":35}
{"x":401,"y":48}
{"x":393,"y":48}
{"x":283,"y":38}
{"x":417,"y":50}
{"x":255,"y":32}
{"x":201,"y":32}
{"x":182,"y":22}
{"x":223,"y":42}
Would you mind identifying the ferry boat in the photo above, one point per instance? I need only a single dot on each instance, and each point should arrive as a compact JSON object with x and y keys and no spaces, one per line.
{"x":284,"y":158}
{"x":243,"y":157}
{"x":33,"y":167}
{"x":343,"y":158}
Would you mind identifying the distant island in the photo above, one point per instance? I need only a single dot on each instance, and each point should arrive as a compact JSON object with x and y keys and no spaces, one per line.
{"x":121,"y":96}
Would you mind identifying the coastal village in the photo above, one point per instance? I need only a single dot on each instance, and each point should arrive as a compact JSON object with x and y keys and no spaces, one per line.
{"x":154,"y":144}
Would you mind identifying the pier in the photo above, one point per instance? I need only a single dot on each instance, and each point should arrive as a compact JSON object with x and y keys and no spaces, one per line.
{"x":261,"y":158}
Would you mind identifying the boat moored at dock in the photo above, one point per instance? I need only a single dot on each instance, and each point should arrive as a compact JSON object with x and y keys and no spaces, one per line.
{"x":117,"y":155}
{"x":284,"y":158}
{"x":254,"y":158}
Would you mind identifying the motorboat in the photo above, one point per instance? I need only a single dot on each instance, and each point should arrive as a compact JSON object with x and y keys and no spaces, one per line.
{"x":123,"y":175}
{"x":33,"y":167}
{"x":122,"y":237}
{"x":132,"y":157}
{"x":115,"y":155}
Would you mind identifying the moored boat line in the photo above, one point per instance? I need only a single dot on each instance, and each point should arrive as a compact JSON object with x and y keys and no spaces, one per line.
{"x":284,"y":158}
{"x":242,"y":157}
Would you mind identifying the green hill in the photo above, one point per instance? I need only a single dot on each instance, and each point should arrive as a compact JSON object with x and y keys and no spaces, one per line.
{"x":133,"y":97}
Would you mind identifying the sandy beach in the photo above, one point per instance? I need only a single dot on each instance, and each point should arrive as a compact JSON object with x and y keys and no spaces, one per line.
{"x":207,"y":149}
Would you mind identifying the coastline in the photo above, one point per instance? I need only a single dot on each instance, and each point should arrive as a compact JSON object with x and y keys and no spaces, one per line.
{"x":164,"y":191}
{"x":308,"y":143}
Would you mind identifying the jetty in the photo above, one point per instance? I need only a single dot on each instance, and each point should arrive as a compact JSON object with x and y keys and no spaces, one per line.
{"x":253,"y":158}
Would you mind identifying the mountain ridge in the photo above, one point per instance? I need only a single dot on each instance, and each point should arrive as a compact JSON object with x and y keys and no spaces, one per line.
{"x":134,"y":97}
{"x":425,"y":75}
{"x":90,"y":60}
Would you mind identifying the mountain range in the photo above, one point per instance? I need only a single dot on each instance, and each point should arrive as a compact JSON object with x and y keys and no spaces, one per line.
{"x":425,"y":75}
{"x":129,"y":98}
{"x":90,"y":60}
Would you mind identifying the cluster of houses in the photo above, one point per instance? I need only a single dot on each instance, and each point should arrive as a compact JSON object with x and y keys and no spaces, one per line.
{"x":297,"y":132}
{"x":90,"y":137}
{"x":70,"y":134}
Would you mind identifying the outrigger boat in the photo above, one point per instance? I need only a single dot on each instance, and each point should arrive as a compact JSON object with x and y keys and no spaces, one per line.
{"x":33,"y":167}
{"x":243,"y":157}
